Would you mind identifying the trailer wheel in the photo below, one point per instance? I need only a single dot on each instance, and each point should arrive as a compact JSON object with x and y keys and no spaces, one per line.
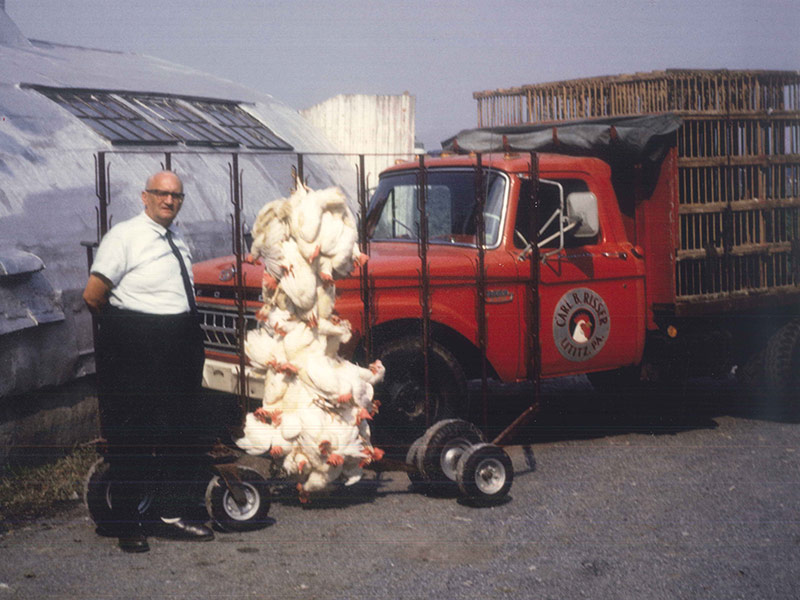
{"x":401,"y":418}
{"x":229,"y":514}
{"x":782,"y":360}
{"x":442,"y":446}
{"x":412,"y":459}
{"x":98,"y":497}
{"x":485,"y":474}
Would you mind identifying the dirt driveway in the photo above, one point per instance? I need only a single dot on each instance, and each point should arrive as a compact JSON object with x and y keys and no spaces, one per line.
{"x":690,"y":495}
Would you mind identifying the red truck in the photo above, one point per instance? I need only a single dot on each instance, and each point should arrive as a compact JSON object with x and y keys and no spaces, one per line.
{"x":642,"y":274}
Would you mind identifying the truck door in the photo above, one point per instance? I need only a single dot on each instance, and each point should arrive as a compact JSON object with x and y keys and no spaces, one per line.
{"x":591,"y":291}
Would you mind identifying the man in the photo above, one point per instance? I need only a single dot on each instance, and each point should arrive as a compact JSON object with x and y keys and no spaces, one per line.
{"x":149,"y":362}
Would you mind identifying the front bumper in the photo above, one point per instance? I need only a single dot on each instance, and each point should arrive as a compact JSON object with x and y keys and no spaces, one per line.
{"x":224,"y":377}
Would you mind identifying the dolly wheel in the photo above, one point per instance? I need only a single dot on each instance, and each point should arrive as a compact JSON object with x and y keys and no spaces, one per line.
{"x":245,"y":515}
{"x":485,"y":473}
{"x":98,"y":497}
{"x":442,"y":446}
{"x":412,"y":459}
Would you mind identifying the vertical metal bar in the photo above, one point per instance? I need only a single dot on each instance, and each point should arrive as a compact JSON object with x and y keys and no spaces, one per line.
{"x":103,"y":192}
{"x":534,"y":365}
{"x":424,"y":275}
{"x":366,"y":315}
{"x":534,"y":343}
{"x":480,"y":280}
{"x":300,"y":169}
{"x":727,"y":214}
{"x":240,"y":295}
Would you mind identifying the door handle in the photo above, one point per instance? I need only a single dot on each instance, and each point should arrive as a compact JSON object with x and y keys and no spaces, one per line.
{"x":620,"y":255}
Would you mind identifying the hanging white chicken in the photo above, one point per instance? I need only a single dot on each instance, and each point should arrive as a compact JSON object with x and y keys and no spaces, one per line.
{"x":314,"y":415}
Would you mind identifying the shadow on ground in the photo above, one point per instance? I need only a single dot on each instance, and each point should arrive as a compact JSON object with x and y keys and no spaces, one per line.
{"x":571,"y":409}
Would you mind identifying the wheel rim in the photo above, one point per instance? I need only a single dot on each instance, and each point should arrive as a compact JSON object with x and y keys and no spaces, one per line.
{"x":242,"y":512}
{"x":409,"y":401}
{"x":490,"y":476}
{"x":452,"y":451}
{"x":142,"y":507}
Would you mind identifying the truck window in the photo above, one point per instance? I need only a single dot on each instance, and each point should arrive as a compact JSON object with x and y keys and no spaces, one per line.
{"x":451,"y":207}
{"x":549,"y":200}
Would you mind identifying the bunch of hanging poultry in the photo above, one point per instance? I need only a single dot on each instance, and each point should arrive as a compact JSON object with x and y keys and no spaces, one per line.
{"x":315,"y":413}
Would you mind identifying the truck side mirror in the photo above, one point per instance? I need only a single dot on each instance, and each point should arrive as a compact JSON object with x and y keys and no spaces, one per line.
{"x":582,"y":207}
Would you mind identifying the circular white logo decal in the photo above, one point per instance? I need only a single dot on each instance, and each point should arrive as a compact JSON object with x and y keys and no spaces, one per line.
{"x":580,"y":324}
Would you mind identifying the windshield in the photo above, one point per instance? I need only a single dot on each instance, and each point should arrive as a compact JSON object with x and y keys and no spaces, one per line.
{"x":451,"y":207}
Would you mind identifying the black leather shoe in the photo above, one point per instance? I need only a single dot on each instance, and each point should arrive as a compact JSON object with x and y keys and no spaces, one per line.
{"x":135,"y":542}
{"x":181,"y":530}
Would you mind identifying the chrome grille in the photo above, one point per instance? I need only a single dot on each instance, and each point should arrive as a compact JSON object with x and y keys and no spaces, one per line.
{"x":219,"y":326}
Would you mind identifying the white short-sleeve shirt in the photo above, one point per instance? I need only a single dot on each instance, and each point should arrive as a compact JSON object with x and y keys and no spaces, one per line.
{"x":136,"y":257}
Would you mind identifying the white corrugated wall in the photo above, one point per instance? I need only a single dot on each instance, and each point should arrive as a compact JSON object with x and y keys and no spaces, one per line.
{"x":381,"y":127}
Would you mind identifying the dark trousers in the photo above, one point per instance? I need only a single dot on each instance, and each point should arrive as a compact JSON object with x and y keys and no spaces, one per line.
{"x":150,"y":370}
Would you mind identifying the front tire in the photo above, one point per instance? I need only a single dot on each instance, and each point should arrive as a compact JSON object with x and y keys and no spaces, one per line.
{"x":415,"y":476}
{"x":231,"y":515}
{"x":402,"y":418}
{"x":442,"y":446}
{"x":99,"y":499}
{"x":485,"y":474}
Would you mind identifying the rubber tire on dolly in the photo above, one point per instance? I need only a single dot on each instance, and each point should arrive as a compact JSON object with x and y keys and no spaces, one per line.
{"x":98,"y":497}
{"x":412,"y":459}
{"x":231,"y":516}
{"x":441,"y":448}
{"x":485,"y":474}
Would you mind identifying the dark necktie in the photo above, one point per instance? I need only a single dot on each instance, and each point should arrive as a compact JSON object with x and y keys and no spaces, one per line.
{"x":187,"y":284}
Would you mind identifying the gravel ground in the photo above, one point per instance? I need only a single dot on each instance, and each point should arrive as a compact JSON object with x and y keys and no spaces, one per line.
{"x":691,"y":493}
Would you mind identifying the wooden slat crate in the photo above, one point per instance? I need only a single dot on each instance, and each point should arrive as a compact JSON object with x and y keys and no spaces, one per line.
{"x":738,"y":164}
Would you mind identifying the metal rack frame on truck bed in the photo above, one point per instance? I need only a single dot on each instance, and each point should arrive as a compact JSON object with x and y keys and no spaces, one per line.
{"x":734,"y":174}
{"x":489,"y":472}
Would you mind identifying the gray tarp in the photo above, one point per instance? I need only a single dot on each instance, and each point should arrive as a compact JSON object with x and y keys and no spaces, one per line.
{"x":630,"y":138}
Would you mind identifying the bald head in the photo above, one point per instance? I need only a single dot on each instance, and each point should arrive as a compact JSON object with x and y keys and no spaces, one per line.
{"x":163,"y":197}
{"x":160,"y":176}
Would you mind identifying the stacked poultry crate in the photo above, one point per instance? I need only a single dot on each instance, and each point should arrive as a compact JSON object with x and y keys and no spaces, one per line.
{"x":738,"y":154}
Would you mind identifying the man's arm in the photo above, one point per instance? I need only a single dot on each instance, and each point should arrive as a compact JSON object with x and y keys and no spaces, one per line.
{"x":96,"y":293}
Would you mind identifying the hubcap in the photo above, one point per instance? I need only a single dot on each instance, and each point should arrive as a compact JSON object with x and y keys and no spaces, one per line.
{"x":242,"y":512}
{"x":451,"y":453}
{"x":490,"y":476}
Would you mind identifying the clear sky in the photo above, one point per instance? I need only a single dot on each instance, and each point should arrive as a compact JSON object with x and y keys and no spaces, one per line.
{"x":305,"y":51}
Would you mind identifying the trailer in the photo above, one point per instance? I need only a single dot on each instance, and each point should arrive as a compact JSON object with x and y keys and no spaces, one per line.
{"x":647,"y":231}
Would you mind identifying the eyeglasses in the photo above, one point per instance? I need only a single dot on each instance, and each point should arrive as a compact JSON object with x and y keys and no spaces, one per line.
{"x":163,"y":194}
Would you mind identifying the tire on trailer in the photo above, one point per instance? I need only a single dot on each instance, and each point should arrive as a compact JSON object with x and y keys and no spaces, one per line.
{"x":227,"y":513}
{"x":442,"y":446}
{"x":485,"y":474}
{"x":412,"y":459}
{"x":98,"y":498}
{"x":782,"y":362}
{"x":402,"y":418}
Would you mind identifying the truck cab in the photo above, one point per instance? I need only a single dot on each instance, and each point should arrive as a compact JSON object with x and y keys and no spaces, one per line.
{"x":591,"y":293}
